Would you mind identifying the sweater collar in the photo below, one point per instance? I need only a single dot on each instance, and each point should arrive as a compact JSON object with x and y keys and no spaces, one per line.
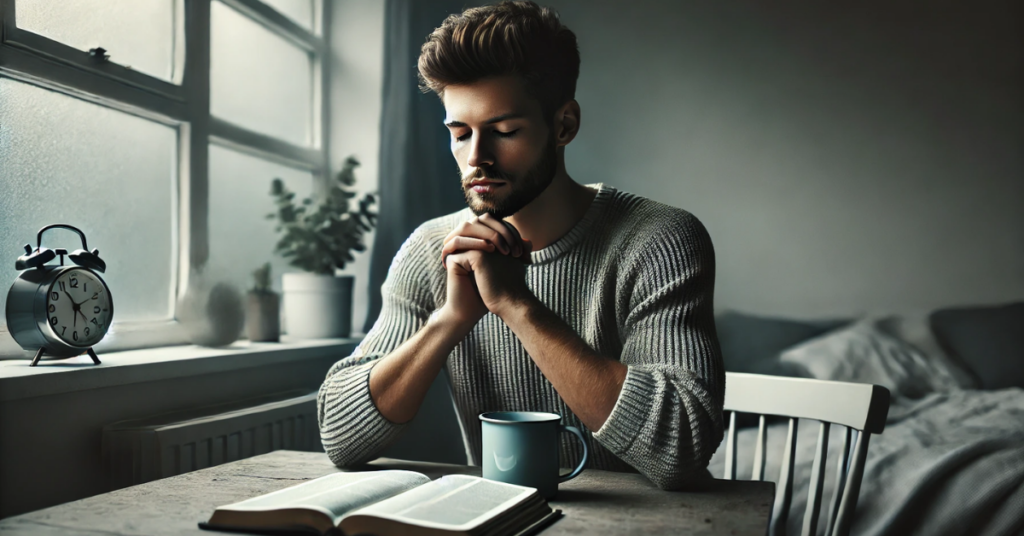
{"x":578,"y":231}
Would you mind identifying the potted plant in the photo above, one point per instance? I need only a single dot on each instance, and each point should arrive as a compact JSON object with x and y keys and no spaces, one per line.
{"x":263,"y":310}
{"x":319,"y":237}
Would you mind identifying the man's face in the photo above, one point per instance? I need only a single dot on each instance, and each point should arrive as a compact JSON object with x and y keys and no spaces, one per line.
{"x":502,"y":142}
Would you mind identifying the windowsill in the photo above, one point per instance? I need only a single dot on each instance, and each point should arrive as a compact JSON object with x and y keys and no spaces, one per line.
{"x":18,"y":380}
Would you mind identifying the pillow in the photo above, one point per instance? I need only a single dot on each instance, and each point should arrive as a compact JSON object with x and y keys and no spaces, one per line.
{"x":914,"y":329}
{"x":987,"y":340}
{"x":753,"y":343}
{"x":863,"y":353}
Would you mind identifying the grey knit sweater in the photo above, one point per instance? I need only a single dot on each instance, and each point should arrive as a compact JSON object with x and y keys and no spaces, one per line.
{"x":634,"y":278}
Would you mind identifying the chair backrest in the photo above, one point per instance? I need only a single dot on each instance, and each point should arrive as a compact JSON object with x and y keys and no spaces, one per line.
{"x":856,"y":406}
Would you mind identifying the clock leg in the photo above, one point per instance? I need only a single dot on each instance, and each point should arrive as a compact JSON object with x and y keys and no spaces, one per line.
{"x":92,"y":354}
{"x":35,"y":360}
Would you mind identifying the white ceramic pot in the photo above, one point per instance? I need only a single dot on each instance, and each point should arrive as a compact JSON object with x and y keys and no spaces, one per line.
{"x":317,"y":306}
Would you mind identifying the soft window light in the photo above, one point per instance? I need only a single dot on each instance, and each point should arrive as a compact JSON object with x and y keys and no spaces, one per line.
{"x":135,"y":33}
{"x":258,"y":80}
{"x":64,"y":160}
{"x":241,"y":237}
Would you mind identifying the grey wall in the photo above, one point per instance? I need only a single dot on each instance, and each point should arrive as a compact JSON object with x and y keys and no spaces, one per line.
{"x":845,"y":159}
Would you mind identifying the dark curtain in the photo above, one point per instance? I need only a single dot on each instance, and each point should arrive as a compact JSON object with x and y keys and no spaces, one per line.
{"x":418,"y":176}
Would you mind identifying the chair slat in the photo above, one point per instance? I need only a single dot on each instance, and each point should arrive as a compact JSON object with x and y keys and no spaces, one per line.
{"x":817,"y":482}
{"x":863,"y":406}
{"x":849,"y":502}
{"x":730,"y":449}
{"x":781,"y":511}
{"x":860,"y":408}
{"x":837,"y":492}
{"x":759,"y":451}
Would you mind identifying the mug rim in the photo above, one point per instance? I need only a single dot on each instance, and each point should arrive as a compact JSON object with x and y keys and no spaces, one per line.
{"x":537,"y":417}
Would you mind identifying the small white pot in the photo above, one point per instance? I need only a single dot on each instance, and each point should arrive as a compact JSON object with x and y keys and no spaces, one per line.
{"x":317,"y":306}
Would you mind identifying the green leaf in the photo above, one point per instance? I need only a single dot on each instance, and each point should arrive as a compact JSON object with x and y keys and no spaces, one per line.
{"x":320,"y":235}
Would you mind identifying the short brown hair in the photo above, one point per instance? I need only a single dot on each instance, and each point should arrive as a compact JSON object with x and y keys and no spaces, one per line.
{"x":508,"y":38}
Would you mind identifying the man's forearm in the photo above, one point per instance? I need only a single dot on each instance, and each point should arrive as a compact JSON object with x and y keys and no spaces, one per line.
{"x":400,"y":381}
{"x":588,"y":382}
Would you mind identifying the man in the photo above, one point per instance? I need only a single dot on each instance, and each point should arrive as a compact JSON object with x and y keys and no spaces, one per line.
{"x":544,"y":294}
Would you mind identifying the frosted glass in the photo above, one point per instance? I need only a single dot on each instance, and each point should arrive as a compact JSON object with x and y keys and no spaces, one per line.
{"x":241,"y":238}
{"x":135,"y":33}
{"x":63,"y":160}
{"x":300,"y":11}
{"x":257,"y":79}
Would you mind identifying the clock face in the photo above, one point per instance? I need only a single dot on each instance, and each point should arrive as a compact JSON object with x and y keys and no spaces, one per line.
{"x":78,"y":307}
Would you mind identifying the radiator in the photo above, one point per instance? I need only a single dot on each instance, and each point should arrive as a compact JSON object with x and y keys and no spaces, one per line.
{"x":147,"y":449}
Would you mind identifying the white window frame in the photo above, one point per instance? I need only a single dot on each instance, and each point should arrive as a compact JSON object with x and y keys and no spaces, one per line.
{"x":43,"y":62}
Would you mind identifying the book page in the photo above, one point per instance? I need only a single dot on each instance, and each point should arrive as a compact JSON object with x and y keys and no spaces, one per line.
{"x":453,"y":502}
{"x":337,"y":494}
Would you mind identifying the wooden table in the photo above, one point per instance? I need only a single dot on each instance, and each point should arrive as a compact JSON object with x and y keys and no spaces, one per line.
{"x":595,"y":503}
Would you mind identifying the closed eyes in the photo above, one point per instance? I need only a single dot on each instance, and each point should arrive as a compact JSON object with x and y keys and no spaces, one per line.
{"x":497,"y":133}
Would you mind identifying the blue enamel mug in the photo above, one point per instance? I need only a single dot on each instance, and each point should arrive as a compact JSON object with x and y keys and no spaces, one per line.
{"x":521,"y":447}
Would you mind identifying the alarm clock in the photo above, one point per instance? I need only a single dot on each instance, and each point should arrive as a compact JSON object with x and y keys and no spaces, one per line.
{"x":56,"y":309}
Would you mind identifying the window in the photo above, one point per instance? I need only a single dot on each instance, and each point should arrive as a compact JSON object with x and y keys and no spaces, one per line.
{"x":157,"y":126}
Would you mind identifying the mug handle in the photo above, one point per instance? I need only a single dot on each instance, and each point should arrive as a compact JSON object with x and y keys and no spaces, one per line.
{"x":579,"y":468}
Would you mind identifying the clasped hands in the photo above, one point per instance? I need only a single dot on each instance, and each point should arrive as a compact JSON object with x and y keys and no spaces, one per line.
{"x":486,"y":262}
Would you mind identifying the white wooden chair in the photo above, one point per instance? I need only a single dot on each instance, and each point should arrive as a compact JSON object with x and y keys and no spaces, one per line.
{"x":856,"y":406}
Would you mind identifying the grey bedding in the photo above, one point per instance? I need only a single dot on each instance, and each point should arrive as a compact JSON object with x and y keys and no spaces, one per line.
{"x":948,"y":463}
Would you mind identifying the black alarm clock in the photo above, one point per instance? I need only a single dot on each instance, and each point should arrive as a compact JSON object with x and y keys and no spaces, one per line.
{"x":56,"y":309}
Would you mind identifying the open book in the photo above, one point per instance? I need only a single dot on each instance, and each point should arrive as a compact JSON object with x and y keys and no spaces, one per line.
{"x":385,"y":503}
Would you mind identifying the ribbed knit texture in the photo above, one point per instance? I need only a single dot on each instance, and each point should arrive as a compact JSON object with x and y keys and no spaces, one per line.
{"x":634,"y":278}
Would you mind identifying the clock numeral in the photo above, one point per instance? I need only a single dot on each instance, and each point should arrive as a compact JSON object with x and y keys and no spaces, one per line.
{"x":73,"y":283}
{"x":85,"y":287}
{"x":96,"y":308}
{"x":53,"y":321}
{"x":95,"y":322}
{"x":63,"y":330}
{"x":51,"y":308}
{"x":54,"y":296}
{"x":62,"y":289}
{"x":87,"y":331}
{"x":74,"y":335}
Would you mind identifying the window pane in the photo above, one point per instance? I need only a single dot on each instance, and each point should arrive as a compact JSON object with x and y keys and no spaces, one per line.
{"x":241,"y":237}
{"x":63,"y":160}
{"x":301,"y":11}
{"x":135,"y":33}
{"x":257,"y":79}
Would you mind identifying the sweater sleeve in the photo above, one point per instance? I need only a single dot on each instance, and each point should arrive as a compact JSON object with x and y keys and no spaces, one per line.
{"x":352,"y":429}
{"x":667,"y":421}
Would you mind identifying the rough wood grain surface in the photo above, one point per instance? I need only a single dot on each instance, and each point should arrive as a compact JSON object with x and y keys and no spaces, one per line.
{"x":595,"y":503}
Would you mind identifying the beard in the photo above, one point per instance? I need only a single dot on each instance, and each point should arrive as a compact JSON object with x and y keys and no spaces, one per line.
{"x":521,"y":190}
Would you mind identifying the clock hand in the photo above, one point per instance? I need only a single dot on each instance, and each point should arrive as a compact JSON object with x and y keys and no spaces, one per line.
{"x":77,"y":308}
{"x":68,"y":294}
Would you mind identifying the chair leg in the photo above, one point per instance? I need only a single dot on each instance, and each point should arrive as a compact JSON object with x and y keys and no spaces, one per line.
{"x":846,"y":508}
{"x":730,"y":449}
{"x":759,"y":450}
{"x":817,"y":483}
{"x":837,"y":491}
{"x":780,"y":514}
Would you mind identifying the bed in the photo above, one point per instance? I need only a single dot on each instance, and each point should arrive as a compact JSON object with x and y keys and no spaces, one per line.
{"x":951,"y":459}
